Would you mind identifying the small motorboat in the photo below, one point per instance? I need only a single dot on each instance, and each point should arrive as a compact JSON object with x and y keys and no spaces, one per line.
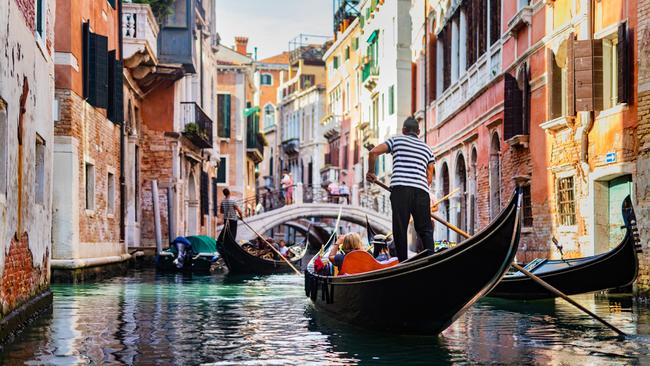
{"x":613,"y":269}
{"x":194,"y":253}
{"x":426,"y":293}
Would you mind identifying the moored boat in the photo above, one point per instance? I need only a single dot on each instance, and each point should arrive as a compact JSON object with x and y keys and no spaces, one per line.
{"x":418,"y":295}
{"x":200,"y":255}
{"x":615,"y":268}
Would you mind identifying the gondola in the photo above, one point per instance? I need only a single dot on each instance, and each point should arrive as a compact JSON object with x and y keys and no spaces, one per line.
{"x":426,"y":293}
{"x":199,"y":260}
{"x":240,"y":261}
{"x":616,"y":268}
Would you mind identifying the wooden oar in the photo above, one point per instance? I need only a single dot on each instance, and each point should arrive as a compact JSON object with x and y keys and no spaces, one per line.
{"x":272,"y":247}
{"x":540,"y":281}
{"x":446,"y":196}
{"x":533,"y":277}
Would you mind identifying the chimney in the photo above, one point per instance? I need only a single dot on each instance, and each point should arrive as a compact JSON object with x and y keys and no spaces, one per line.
{"x":240,"y":45}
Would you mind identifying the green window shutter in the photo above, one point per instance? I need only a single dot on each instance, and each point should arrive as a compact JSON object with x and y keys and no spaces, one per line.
{"x":221,"y":171}
{"x":355,"y":43}
{"x":95,"y":68}
{"x":223,"y":117}
{"x":391,"y":100}
{"x":347,"y":53}
{"x":336,"y":62}
{"x":115,"y":111}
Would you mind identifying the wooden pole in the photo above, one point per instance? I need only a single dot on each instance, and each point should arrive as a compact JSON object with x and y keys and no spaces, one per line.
{"x":533,"y":277}
{"x":272,"y":247}
{"x":156,"y":216}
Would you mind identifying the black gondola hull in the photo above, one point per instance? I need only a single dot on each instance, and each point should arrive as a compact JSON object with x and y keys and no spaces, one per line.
{"x":426,"y":295}
{"x":239,"y":261}
{"x":614,"y":269}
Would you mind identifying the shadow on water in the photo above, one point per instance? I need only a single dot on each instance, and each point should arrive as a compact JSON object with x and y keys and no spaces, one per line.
{"x":147,"y":318}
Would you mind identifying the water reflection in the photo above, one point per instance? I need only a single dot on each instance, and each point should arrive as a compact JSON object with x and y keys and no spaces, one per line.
{"x":148,"y":318}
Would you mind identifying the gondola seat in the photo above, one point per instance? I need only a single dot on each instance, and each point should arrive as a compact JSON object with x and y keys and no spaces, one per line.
{"x":360,"y":261}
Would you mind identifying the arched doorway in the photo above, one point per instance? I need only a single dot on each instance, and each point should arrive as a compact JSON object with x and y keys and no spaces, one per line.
{"x":445,"y":207}
{"x":495,"y":176}
{"x":473,"y":184}
{"x":461,"y":198}
{"x":192,"y":206}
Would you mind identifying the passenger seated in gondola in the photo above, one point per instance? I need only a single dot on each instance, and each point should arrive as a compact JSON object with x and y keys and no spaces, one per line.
{"x":380,"y":248}
{"x":346,"y":244}
{"x":283,"y":249}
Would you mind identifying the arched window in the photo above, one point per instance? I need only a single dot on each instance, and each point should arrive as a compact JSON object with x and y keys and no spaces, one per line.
{"x":495,"y":176}
{"x":461,"y":183}
{"x":269,"y":116}
{"x":266,"y":79}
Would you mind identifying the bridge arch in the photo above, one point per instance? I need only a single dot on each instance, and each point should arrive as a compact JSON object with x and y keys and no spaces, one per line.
{"x":354,"y":214}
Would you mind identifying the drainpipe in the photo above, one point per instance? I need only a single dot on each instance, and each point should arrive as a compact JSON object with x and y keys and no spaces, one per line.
{"x":122,"y":137}
{"x":584,"y":143}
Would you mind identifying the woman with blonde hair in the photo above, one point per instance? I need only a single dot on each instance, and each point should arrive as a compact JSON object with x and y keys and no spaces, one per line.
{"x":346,"y":243}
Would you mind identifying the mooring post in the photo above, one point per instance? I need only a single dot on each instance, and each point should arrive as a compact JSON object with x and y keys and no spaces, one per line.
{"x":156,"y":216}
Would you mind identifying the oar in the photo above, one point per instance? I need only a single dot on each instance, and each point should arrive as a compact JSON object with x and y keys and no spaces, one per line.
{"x":272,"y":247}
{"x":543,"y":283}
{"x":533,"y":277}
{"x":446,"y":196}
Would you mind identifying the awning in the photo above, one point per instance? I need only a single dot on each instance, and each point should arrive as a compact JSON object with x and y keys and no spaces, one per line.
{"x":373,"y":36}
{"x":249,"y":111}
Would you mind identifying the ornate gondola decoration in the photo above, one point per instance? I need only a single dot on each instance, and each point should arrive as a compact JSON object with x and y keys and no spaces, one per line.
{"x":416,"y":296}
{"x":616,"y":268}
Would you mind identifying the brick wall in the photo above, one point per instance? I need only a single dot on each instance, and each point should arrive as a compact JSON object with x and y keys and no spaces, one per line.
{"x":28,"y":10}
{"x":99,"y":144}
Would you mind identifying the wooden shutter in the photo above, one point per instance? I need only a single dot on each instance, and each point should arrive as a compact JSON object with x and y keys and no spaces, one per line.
{"x":115,"y":111}
{"x":588,"y":75}
{"x":205,"y":198}
{"x":431,"y":59}
{"x":550,"y":90}
{"x":571,"y":96}
{"x":512,"y":108}
{"x":95,"y":68}
{"x":624,"y":70}
{"x":524,"y":80}
{"x":215,"y":192}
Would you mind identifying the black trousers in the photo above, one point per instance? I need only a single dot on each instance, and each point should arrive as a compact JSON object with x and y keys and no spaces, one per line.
{"x":232,"y":224}
{"x":406,"y":202}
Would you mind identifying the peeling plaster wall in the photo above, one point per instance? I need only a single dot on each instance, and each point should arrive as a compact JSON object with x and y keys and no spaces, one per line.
{"x":27,"y":70}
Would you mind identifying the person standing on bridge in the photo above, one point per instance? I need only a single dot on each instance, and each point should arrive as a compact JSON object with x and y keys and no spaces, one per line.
{"x":412,"y":176}
{"x":229,"y":210}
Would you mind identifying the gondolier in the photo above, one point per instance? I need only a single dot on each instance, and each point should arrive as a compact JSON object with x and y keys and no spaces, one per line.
{"x":229,"y":210}
{"x":412,"y":175}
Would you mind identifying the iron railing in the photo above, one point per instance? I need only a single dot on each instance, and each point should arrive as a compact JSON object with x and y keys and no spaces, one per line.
{"x":197,"y":126}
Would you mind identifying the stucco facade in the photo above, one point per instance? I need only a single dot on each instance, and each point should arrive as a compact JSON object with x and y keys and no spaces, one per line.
{"x":26,"y":147}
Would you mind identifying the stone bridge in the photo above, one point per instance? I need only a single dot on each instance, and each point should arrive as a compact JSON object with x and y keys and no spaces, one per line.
{"x":351,"y":213}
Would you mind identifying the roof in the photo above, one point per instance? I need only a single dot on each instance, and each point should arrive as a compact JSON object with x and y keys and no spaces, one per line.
{"x":228,"y":56}
{"x":282,"y":58}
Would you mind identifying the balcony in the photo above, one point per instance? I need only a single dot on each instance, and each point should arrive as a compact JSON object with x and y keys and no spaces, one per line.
{"x":331,"y":126}
{"x":370,"y":75}
{"x":139,"y":30}
{"x":197,"y":126}
{"x":523,"y":18}
{"x":291,"y":146}
{"x":255,"y":140}
{"x":176,"y":43}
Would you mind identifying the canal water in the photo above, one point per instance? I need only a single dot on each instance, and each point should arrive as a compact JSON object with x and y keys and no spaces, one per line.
{"x":153,"y":319}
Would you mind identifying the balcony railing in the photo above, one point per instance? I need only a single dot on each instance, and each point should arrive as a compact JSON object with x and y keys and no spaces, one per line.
{"x":291,"y":146}
{"x":255,"y":146}
{"x":139,"y":29}
{"x":197,"y":126}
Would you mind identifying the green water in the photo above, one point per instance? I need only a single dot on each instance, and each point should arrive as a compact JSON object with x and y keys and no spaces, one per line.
{"x":151,"y":319}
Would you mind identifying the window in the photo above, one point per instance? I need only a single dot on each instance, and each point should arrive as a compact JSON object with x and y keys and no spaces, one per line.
{"x":566,"y":201}
{"x":610,"y":72}
{"x":177,"y":17}
{"x":391,"y":100}
{"x":528,"y":207}
{"x":374,"y":123}
{"x":347,"y":53}
{"x":355,"y":43}
{"x":40,"y":17}
{"x":90,"y":186}
{"x":223,"y":115}
{"x":266,"y":79}
{"x":39,"y":170}
{"x":222,"y":171}
{"x":115,"y":110}
{"x":215,"y":190}
{"x":95,"y":68}
{"x":522,"y":3}
{"x":558,"y":78}
{"x":495,"y":21}
{"x":4,"y":143}
{"x":335,"y":62}
{"x":269,"y":116}
{"x":110,"y":194}
{"x":204,"y":198}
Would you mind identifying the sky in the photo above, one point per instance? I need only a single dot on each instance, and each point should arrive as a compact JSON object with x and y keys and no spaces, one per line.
{"x":271,"y":24}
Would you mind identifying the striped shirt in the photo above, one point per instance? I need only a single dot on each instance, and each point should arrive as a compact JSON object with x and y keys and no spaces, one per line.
{"x":411,"y":157}
{"x":228,"y":209}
